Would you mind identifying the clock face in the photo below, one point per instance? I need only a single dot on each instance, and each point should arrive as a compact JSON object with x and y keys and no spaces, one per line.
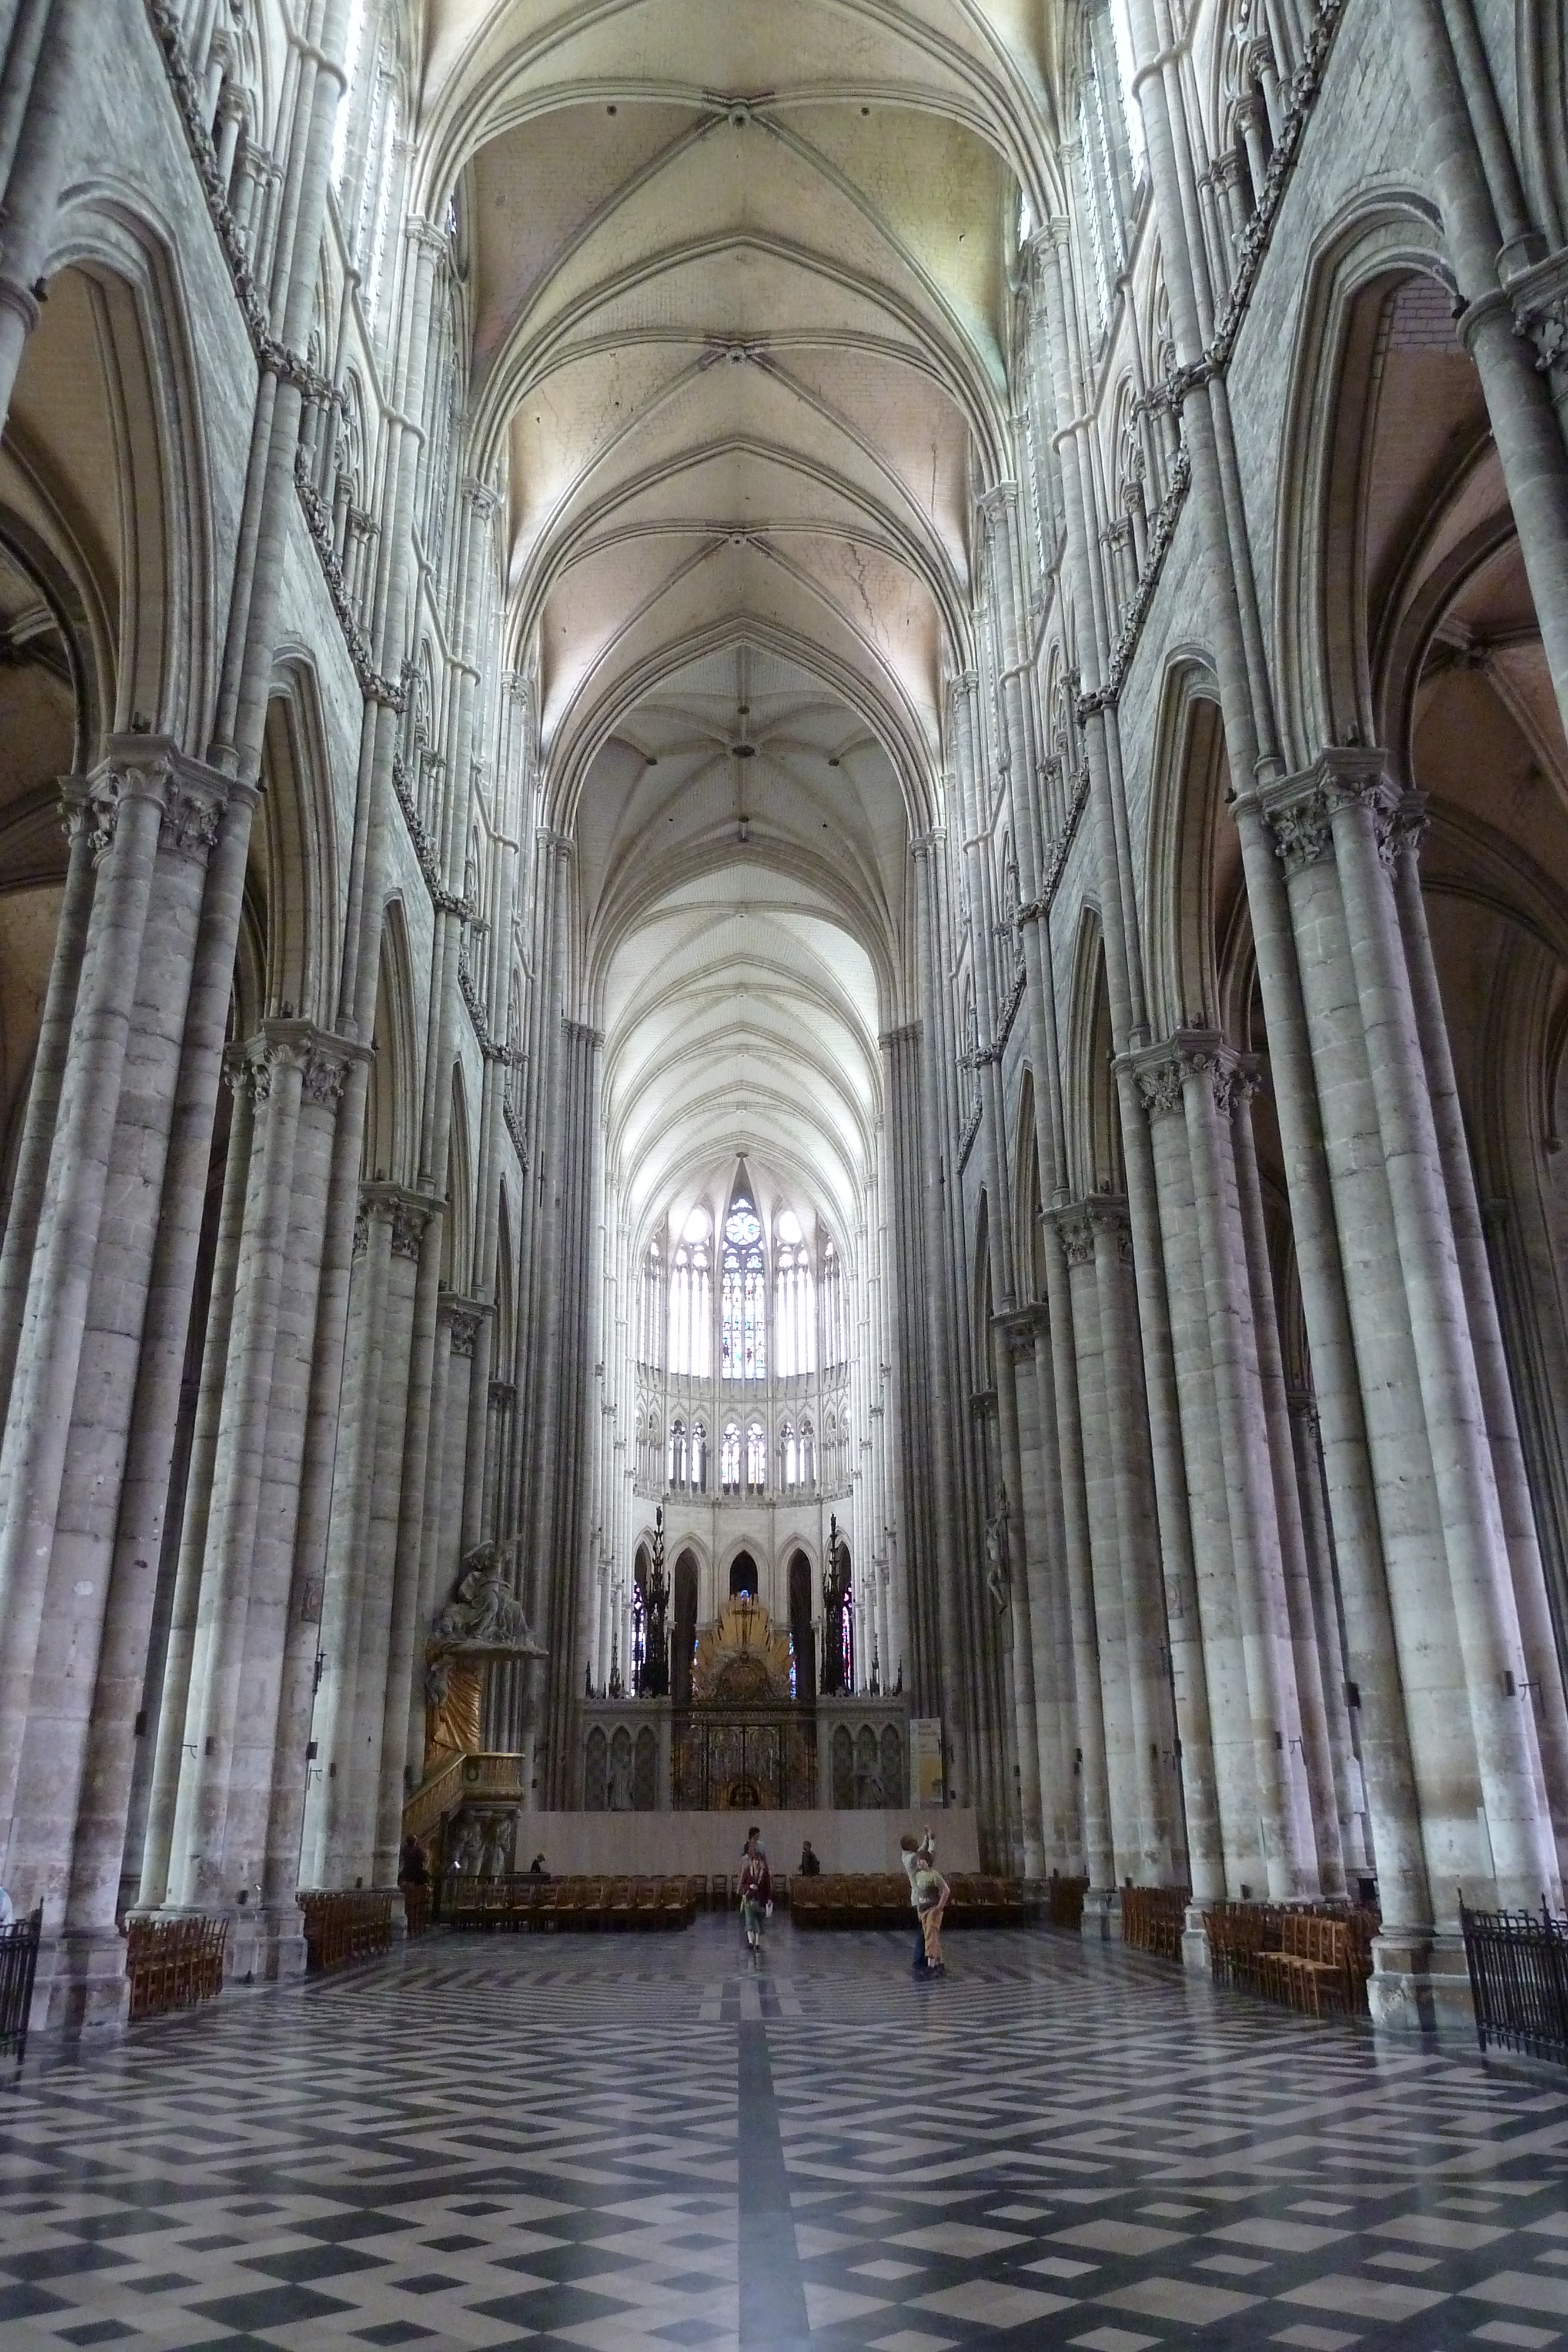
{"x":742,"y":1227}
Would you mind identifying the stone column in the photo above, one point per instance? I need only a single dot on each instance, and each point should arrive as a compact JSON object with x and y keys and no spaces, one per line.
{"x":1206,"y":1652}
{"x":1518,"y":1828}
{"x":1349,"y":1794}
{"x":88,"y":1591}
{"x":1122,"y":1855}
{"x":1545,"y":1673}
{"x":328,"y":1809}
{"x":375,"y":1698}
{"x":268,"y":1735}
{"x":1159,"y":1857}
{"x":1305,"y":1641}
{"x":174,"y":1690}
{"x":274,"y":1071}
{"x":940,"y":1355}
{"x":1040,"y":1507}
{"x":49,"y":1072}
{"x":1208,"y":1072}
{"x":128,"y":800}
{"x":1417,"y":1674}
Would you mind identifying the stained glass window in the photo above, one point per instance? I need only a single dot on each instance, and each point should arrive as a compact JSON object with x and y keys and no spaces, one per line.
{"x":743,"y":1296}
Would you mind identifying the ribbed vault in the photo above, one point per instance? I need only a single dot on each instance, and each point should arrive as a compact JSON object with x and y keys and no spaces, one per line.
{"x":740,"y":284}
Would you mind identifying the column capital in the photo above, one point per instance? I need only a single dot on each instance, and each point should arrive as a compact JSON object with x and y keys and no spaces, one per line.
{"x":1299,"y":811}
{"x":1540,"y":300}
{"x":1193,"y":1057}
{"x":425,"y":237}
{"x":466,"y":1319}
{"x":1074,"y":1229}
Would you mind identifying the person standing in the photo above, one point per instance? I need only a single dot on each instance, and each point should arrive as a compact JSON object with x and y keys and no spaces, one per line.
{"x":930,"y":1894}
{"x":756,"y":1890}
{"x":915,"y":1854}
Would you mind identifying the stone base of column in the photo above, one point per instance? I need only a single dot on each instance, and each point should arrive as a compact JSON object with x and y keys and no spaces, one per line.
{"x":1103,"y":1916}
{"x":81,"y":1987}
{"x":265,"y":1946}
{"x":1420,"y":1984}
{"x":1194,"y":1952}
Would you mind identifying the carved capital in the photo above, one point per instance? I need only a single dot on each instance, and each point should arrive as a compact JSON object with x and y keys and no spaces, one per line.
{"x":193,"y":814}
{"x":1107,"y":1215}
{"x":1075,"y":1231}
{"x":327,"y":1071}
{"x":1540,"y":300}
{"x":1300,"y":811}
{"x":409,"y":1220}
{"x":1160,"y":1081}
{"x":503,"y":1395}
{"x":465,"y":1318}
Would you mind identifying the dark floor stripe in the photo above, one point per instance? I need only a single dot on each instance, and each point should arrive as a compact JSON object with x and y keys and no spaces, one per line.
{"x":772,"y":2293}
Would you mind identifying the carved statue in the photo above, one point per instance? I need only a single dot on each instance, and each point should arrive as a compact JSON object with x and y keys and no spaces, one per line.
{"x":481,"y":1611}
{"x":996,"y":1577}
{"x":482,"y":1621}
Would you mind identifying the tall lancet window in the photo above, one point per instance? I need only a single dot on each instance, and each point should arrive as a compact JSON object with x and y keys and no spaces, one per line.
{"x":794,"y":1310}
{"x":651,"y":1309}
{"x":835,"y":1313}
{"x":744,"y":1296}
{"x":691,"y":1299}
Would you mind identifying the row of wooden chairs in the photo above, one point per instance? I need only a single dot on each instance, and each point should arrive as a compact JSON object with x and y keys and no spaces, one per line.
{"x":344,"y":1927}
{"x":553,"y":1905}
{"x":1152,"y":1919}
{"x":881,"y":1899}
{"x":1314,"y":1958}
{"x":172,"y":1963}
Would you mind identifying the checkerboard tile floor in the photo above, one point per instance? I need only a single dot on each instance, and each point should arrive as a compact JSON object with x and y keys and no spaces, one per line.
{"x":642,"y":2145}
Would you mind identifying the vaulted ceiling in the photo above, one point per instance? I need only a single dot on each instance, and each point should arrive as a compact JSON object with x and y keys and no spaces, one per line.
{"x":739,"y":273}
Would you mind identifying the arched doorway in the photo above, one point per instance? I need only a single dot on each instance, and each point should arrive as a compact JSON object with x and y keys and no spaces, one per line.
{"x":685,"y":1633}
{"x":802,"y":1643}
{"x":743,"y":1576}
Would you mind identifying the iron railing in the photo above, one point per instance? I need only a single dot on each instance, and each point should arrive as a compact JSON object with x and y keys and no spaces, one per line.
{"x":18,"y":1966}
{"x":1519,"y":1980}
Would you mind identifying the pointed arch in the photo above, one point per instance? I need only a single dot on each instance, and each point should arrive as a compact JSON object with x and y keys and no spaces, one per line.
{"x":392,"y":1112}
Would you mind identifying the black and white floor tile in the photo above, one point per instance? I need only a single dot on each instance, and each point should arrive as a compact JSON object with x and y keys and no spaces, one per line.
{"x":648,"y":2145}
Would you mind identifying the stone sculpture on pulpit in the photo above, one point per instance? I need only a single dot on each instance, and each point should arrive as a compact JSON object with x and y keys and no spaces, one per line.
{"x":482,"y":1624}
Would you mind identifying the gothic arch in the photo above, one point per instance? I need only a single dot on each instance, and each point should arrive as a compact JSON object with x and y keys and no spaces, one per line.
{"x":1093,"y":1126}
{"x":1186,"y":847}
{"x":457,"y":1238}
{"x":1321,"y":656}
{"x":293,"y":850}
{"x":107,"y":401}
{"x":392,"y":1110}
